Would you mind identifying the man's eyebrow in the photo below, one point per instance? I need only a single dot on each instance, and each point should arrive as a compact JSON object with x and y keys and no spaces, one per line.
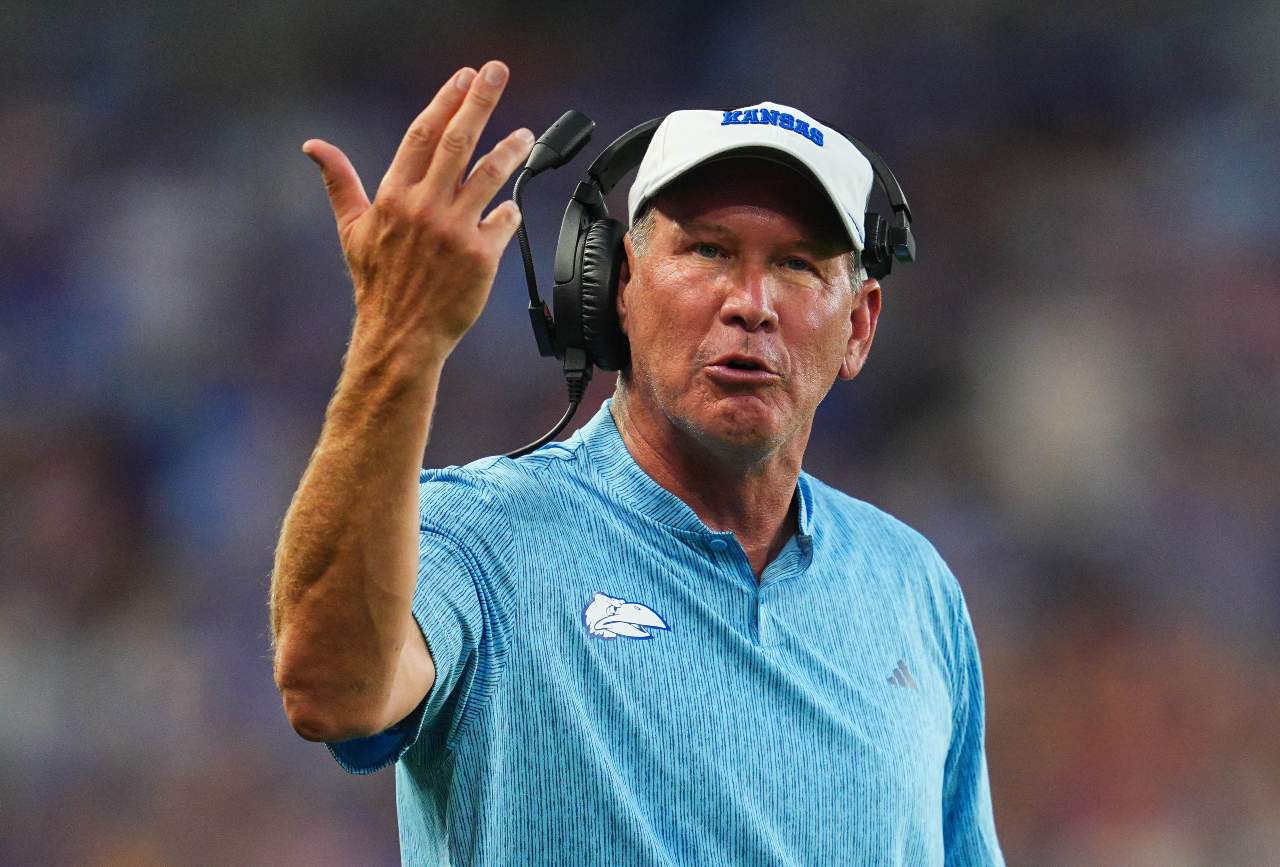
{"x":824,"y":248}
{"x":688,"y":226}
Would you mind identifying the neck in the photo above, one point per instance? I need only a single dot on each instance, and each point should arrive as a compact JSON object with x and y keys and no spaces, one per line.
{"x":751,"y":496}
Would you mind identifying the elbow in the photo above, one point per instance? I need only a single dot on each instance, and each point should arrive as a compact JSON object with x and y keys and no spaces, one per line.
{"x":319,"y":722}
{"x":301,"y":708}
{"x":307,"y":722}
{"x":318,"y":707}
{"x":306,"y":713}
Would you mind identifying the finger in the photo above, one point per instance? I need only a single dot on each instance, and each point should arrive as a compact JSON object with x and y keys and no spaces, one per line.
{"x":501,"y":224}
{"x":346,"y":193}
{"x":492,"y":171}
{"x":458,"y":141}
{"x":420,"y":139}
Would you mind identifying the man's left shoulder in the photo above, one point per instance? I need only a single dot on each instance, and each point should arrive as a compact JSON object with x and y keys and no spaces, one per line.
{"x":861,"y":526}
{"x":853,"y":517}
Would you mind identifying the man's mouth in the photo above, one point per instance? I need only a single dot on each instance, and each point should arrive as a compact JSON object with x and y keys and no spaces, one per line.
{"x":741,"y":361}
{"x":740,"y":373}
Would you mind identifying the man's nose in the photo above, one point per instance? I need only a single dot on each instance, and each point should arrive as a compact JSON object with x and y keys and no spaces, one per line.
{"x":749,"y":300}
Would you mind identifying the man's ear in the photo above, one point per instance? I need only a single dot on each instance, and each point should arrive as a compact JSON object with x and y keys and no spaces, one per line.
{"x":863,"y":318}
{"x":624,"y":280}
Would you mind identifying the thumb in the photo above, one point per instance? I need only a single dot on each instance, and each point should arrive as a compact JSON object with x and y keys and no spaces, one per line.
{"x":346,"y":193}
{"x":501,"y":223}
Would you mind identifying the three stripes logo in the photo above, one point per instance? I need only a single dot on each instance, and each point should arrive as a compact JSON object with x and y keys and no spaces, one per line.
{"x":902,"y":676}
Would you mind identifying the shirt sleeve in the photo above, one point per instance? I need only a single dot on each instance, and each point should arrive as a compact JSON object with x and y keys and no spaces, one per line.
{"x":463,"y":605}
{"x":969,"y":829}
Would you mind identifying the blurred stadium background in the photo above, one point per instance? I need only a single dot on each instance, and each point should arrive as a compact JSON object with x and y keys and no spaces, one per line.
{"x":1075,"y":394}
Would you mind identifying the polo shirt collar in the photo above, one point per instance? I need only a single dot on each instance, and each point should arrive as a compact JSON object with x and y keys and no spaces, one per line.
{"x":611,"y":458}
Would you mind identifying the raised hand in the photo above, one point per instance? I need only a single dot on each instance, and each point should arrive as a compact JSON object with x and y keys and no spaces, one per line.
{"x":421,"y":257}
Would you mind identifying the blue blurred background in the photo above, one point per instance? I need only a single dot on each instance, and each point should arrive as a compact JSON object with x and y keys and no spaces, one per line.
{"x":1075,"y":393}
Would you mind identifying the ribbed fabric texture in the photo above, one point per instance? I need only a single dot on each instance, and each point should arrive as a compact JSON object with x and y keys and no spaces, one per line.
{"x":831,"y":713}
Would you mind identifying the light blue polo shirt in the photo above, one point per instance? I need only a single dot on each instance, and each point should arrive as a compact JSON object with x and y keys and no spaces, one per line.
{"x":615,"y":687}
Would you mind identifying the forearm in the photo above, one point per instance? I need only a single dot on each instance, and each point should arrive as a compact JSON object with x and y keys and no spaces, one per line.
{"x":346,"y":563}
{"x":422,"y":258}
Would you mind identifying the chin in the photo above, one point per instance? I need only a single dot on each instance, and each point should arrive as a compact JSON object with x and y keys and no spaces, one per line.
{"x":737,"y":422}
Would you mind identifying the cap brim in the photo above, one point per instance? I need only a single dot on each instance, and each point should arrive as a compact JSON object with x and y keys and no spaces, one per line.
{"x":774,"y":155}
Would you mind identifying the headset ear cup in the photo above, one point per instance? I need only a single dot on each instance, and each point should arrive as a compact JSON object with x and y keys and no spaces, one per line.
{"x":875,"y":251}
{"x":602,"y":254}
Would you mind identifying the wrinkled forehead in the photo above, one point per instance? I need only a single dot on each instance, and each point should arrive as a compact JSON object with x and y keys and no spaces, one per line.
{"x":759,"y":182}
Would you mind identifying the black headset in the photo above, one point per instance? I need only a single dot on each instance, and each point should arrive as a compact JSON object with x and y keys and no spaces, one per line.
{"x":584,"y":331}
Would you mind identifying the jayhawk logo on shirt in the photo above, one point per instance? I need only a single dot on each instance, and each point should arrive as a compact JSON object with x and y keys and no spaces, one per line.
{"x":609,"y":617}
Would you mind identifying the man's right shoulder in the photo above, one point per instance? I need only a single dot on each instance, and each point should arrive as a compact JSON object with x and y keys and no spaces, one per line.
{"x":501,"y":482}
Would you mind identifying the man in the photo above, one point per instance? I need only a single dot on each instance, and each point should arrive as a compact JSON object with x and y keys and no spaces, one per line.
{"x":659,"y":642}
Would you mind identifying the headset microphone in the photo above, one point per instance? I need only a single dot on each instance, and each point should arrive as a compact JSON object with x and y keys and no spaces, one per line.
{"x":555,"y":147}
{"x":561,"y":142}
{"x":583,"y":331}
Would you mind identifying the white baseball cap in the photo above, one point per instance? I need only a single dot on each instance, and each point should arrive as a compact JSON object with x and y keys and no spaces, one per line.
{"x":687,"y":139}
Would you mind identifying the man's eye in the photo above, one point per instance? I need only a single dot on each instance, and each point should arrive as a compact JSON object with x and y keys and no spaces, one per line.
{"x":797,"y":264}
{"x":707,"y":251}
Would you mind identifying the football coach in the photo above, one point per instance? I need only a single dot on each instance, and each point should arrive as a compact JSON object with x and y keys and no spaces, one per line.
{"x":659,"y":642}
